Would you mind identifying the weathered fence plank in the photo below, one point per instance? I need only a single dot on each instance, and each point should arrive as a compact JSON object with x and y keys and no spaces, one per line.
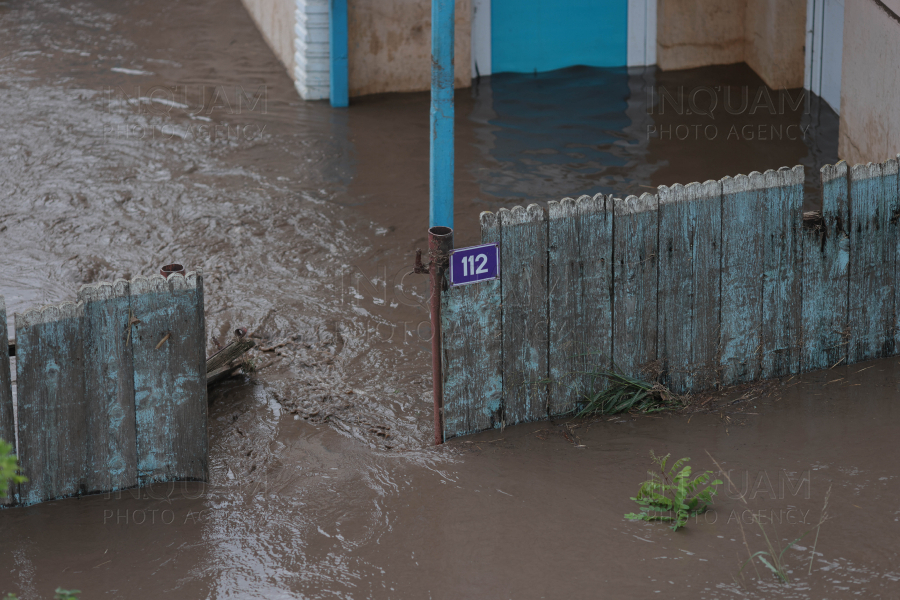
{"x":472,"y":350}
{"x":744,"y":203}
{"x":781,"y":289}
{"x":169,"y":377}
{"x":7,"y":422}
{"x":826,"y":257}
{"x":53,"y":446}
{"x":635,"y":244}
{"x":690,"y":233}
{"x":523,"y":254}
{"x":579,"y":297}
{"x":873,"y":248}
{"x":563,"y":290}
{"x":109,"y":386}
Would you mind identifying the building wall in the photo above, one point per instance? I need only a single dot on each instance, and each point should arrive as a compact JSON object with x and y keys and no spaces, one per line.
{"x":774,"y":36}
{"x":697,"y":33}
{"x":870,"y":82}
{"x":390,"y":45}
{"x":766,"y":34}
{"x":275,"y":19}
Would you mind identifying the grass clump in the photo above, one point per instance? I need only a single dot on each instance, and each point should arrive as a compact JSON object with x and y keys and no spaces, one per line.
{"x":772,"y":558}
{"x":623,"y":394}
{"x":671,"y":495}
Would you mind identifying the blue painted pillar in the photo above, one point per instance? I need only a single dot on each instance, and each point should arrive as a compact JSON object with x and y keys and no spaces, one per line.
{"x":441,"y":167}
{"x":337,"y":38}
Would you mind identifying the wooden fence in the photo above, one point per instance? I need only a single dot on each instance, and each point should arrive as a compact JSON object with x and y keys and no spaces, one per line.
{"x":696,"y":287}
{"x":111,"y":390}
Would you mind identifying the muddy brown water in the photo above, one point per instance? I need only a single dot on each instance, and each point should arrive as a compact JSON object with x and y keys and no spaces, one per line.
{"x":138,"y":133}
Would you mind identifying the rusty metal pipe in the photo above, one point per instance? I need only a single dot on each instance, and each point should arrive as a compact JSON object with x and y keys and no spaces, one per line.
{"x":440,"y":243}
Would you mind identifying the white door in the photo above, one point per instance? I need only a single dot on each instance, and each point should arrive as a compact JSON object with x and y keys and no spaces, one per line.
{"x":824,"y":50}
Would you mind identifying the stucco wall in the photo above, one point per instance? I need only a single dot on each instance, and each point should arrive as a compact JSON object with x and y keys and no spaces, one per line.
{"x":697,"y":33}
{"x":870,"y":83}
{"x":774,"y":35}
{"x":275,"y":19}
{"x":766,"y":34}
{"x":390,"y":45}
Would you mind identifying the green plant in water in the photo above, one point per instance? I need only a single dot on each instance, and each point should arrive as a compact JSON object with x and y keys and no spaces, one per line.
{"x":772,"y":558}
{"x":249,"y":365}
{"x":622,"y":393}
{"x":9,"y":468}
{"x":60,"y":594}
{"x":671,"y":495}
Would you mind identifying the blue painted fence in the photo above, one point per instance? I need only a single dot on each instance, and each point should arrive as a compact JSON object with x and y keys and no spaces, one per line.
{"x":111,"y":390}
{"x":698,"y":286}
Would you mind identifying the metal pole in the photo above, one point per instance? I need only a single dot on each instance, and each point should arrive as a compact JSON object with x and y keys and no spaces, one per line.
{"x":440,"y":242}
{"x":441,"y":166}
{"x":440,"y":219}
{"x":338,"y":49}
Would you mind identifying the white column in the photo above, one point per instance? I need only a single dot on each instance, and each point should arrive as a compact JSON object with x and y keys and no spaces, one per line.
{"x":311,"y":53}
{"x":481,"y":37}
{"x":641,"y":33}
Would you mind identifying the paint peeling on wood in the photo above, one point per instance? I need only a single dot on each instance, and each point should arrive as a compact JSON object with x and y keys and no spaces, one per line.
{"x":579,"y":298}
{"x":826,"y":257}
{"x":169,"y":380}
{"x":77,"y":371}
{"x":873,"y":243}
{"x":707,"y":284}
{"x":53,"y":425}
{"x":472,"y":351}
{"x":109,"y":386}
{"x":744,"y":201}
{"x":781,"y":290}
{"x":690,"y":229}
{"x":635,"y":285}
{"x":523,"y":253}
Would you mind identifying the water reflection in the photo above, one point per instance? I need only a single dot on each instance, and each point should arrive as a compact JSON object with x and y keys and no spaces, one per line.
{"x":624,"y":131}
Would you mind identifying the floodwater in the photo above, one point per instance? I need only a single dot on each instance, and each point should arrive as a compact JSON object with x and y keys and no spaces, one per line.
{"x":139,"y":133}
